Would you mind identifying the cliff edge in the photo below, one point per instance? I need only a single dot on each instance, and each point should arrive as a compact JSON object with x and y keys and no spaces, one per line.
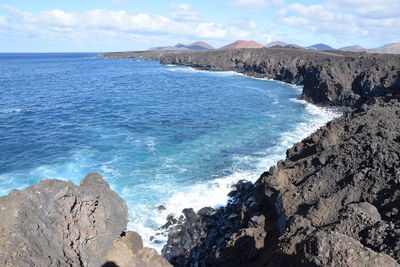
{"x":329,"y":77}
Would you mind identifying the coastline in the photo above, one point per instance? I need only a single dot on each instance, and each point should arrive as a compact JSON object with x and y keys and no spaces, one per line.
{"x":218,"y":189}
{"x":268,"y":191}
{"x":287,"y":216}
{"x":336,"y":191}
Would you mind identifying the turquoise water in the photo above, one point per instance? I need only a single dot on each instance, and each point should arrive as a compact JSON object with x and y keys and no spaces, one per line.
{"x":160,"y":135}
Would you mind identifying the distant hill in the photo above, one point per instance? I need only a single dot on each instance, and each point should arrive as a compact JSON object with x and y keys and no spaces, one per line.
{"x":387,"y":49}
{"x":242,"y":44}
{"x":353,"y":48}
{"x":393,"y":48}
{"x":197,"y":46}
{"x":293,"y":46}
{"x":320,"y":47}
{"x":275,"y":43}
{"x":167,"y":48}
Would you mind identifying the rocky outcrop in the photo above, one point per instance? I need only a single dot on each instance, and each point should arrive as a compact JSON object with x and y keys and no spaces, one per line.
{"x":334,"y":201}
{"x":329,"y":78}
{"x":56,"y":223}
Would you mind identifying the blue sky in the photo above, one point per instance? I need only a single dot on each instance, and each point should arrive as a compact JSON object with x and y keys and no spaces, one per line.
{"x":120,"y":25}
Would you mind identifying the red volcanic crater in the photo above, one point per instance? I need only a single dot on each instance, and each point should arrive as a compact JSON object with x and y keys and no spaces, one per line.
{"x":242,"y":44}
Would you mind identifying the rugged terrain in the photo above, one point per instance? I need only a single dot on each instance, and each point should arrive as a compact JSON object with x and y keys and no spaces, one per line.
{"x":56,"y":223}
{"x":328,"y":77}
{"x":334,"y":201}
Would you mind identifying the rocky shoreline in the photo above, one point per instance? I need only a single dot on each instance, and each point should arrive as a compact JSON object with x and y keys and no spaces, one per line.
{"x":334,"y":200}
{"x":329,"y":77}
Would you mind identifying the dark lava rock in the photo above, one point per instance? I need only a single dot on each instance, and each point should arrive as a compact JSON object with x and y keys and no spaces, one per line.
{"x":333,"y":202}
{"x":161,"y":208}
{"x":329,"y":78}
{"x":335,"y":249}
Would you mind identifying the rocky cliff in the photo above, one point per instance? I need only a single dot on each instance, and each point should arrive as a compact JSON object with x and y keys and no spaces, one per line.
{"x":56,"y":223}
{"x":334,"y":201}
{"x":329,"y":78}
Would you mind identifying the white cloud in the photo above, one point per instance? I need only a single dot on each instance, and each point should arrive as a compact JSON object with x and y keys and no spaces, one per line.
{"x":252,"y":25}
{"x":59,"y":18}
{"x":118,"y":26}
{"x":368,"y":8}
{"x":184,"y":12}
{"x":346,"y":19}
{"x":251,"y":4}
{"x":2,"y":20}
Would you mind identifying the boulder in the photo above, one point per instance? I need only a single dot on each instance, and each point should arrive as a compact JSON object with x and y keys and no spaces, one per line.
{"x":56,"y":223}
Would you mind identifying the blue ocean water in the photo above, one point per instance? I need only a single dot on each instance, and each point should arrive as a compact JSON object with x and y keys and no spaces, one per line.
{"x":160,"y":135}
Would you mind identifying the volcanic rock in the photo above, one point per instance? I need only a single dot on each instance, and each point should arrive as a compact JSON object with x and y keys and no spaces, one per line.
{"x":333,"y":202}
{"x":328,"y":78}
{"x":56,"y":223}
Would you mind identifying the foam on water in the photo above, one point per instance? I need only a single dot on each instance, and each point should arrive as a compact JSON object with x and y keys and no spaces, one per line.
{"x":7,"y":111}
{"x":215,"y":193}
{"x":185,"y":69}
{"x":160,"y":135}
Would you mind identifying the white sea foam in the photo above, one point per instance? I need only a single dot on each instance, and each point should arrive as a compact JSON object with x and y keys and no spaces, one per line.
{"x":214,"y":193}
{"x":151,"y":144}
{"x":185,"y":69}
{"x":6,"y":111}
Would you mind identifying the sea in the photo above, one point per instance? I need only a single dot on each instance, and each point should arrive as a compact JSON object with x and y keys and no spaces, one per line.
{"x":160,"y":135}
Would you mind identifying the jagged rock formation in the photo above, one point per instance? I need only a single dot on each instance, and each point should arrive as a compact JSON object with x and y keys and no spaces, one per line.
{"x":334,"y":201}
{"x":340,"y":78}
{"x":56,"y":223}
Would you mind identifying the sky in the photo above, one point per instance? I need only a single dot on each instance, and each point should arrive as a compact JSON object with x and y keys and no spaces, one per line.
{"x":122,"y":25}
